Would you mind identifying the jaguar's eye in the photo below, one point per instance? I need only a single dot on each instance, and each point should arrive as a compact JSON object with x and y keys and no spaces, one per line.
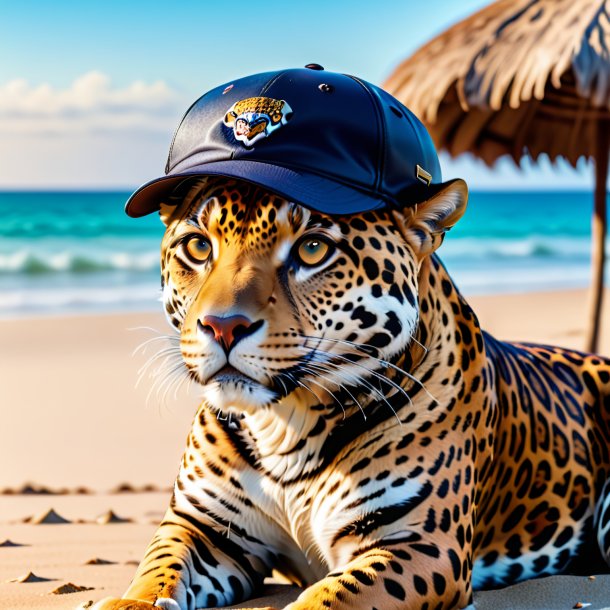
{"x":198,"y":248}
{"x":313,"y":251}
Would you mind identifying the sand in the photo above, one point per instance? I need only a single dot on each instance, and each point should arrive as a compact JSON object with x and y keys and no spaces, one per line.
{"x":72,"y":418}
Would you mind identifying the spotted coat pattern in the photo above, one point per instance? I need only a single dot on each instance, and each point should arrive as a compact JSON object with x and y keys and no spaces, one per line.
{"x":364,"y":436}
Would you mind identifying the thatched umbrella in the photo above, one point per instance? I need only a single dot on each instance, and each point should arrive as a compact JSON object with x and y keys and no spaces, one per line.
{"x":522,"y":77}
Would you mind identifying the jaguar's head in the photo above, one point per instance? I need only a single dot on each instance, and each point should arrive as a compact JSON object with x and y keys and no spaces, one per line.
{"x":274,"y":300}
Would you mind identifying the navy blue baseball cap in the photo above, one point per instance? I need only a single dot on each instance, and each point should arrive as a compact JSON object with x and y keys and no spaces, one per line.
{"x":331,"y":142}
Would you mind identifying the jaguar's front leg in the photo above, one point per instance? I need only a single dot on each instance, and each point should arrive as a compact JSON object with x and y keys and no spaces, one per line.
{"x":192,"y":564}
{"x":409,"y":575}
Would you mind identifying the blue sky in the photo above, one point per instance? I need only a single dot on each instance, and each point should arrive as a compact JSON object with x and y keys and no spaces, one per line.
{"x":90,"y":92}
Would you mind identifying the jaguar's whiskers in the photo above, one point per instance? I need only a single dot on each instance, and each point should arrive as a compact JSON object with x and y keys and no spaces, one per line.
{"x":378,"y":376}
{"x":296,"y":381}
{"x":319,"y":366}
{"x":366,"y":351}
{"x":165,"y":367}
{"x":359,"y":380}
{"x":303,"y":385}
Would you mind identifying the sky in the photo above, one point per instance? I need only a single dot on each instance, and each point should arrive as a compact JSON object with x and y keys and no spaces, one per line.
{"x":91,"y":92}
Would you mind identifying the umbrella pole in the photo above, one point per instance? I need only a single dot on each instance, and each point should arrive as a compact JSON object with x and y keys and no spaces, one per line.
{"x":598,"y":235}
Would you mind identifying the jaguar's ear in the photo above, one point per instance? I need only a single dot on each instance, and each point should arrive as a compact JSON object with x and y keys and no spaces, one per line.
{"x":425,"y":224}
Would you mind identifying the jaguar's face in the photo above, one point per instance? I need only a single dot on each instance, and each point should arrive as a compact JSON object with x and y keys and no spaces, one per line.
{"x":272,"y":299}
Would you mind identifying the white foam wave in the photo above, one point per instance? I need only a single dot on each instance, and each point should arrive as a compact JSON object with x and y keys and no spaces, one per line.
{"x":535,"y":246}
{"x":30,"y":262}
{"x":23,"y":302}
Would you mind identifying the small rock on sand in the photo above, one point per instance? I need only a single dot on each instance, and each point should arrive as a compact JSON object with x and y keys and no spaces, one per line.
{"x":111,"y":517}
{"x":48,"y":517}
{"x":69,"y":588}
{"x":8,"y":543}
{"x":31,"y":489}
{"x":123,"y":488}
{"x":132,"y":562}
{"x":128,"y":488}
{"x":30,"y":577}
{"x":97,"y":561}
{"x":28,"y":489}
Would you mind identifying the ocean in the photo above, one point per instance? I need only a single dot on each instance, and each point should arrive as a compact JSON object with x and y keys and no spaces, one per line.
{"x":77,"y":252}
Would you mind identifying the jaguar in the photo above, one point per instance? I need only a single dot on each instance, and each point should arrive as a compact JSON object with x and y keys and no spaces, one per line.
{"x":360,"y":434}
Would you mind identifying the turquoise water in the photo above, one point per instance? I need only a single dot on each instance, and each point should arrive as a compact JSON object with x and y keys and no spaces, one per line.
{"x":79,"y":252}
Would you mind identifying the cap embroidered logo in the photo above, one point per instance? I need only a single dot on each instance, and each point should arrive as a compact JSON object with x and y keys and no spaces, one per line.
{"x":256,"y":117}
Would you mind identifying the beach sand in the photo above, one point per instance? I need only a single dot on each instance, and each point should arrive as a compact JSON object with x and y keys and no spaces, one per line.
{"x":73,"y":418}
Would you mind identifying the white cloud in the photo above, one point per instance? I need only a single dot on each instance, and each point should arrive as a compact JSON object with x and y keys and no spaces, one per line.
{"x":91,"y":104}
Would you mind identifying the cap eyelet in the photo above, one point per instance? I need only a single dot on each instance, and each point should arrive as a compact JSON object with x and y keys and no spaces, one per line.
{"x":314,"y":67}
{"x":325,"y":88}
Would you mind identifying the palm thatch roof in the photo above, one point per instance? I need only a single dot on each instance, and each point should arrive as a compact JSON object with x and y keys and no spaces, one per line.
{"x":519,"y":76}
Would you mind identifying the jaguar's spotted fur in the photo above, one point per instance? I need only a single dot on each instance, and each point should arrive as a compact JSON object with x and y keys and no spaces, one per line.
{"x":370,"y":441}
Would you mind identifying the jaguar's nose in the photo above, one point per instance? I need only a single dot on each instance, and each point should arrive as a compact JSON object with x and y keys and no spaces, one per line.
{"x":228,"y":331}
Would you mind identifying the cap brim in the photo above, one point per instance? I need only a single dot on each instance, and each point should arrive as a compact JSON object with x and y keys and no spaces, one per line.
{"x":310,"y":190}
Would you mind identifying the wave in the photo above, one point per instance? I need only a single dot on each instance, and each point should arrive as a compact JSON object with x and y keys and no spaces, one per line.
{"x":533,"y":247}
{"x":18,"y":229}
{"x":18,"y":303}
{"x":143,"y":257}
{"x":26,"y":262}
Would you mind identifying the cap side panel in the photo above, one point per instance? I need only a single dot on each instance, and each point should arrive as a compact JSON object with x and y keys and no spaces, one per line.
{"x":381,"y":135}
{"x":171,"y":146}
{"x":413,"y":121}
{"x":416,"y":132}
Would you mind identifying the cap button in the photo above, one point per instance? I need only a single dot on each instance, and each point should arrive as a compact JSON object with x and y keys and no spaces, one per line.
{"x":314,"y":67}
